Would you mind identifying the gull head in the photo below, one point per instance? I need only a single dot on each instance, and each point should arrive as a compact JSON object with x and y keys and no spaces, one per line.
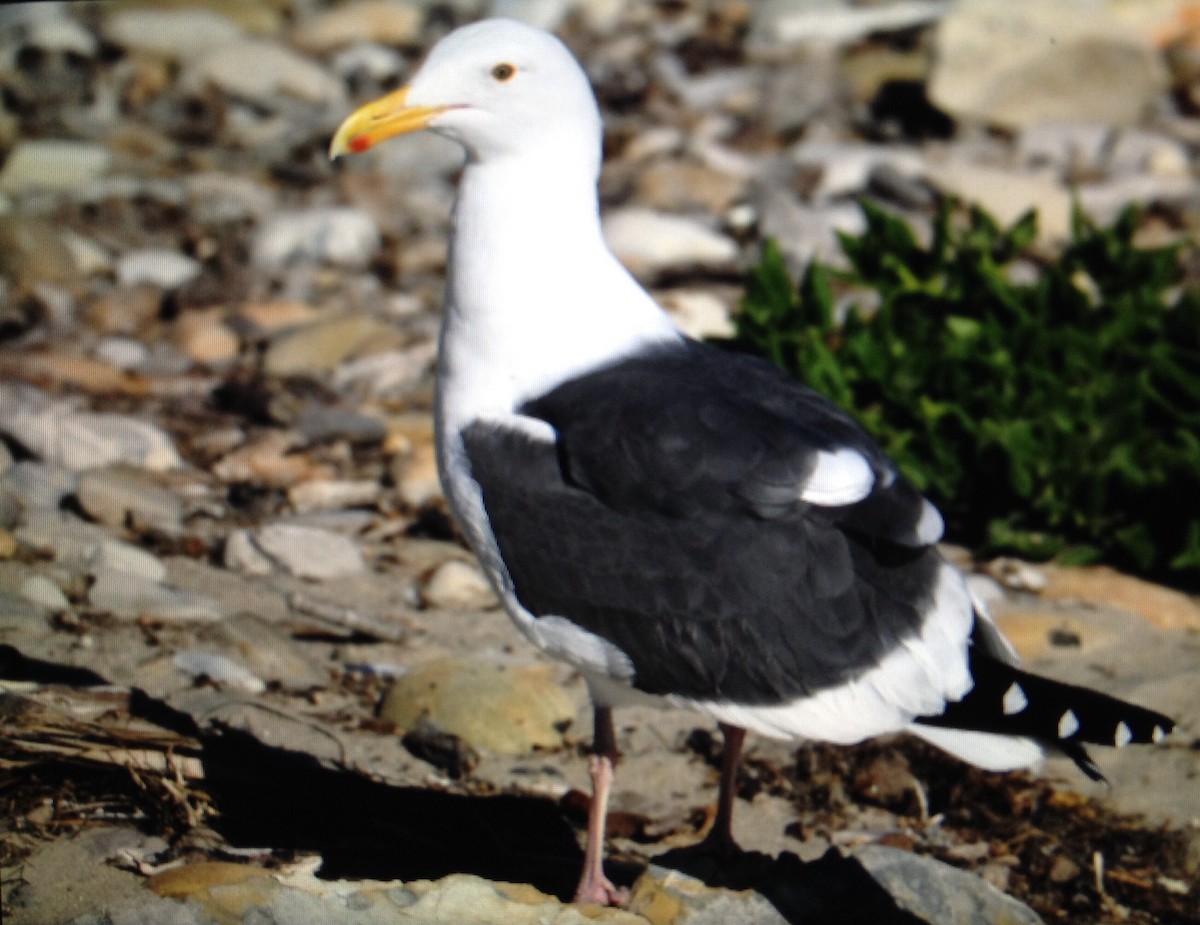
{"x":497,"y":87}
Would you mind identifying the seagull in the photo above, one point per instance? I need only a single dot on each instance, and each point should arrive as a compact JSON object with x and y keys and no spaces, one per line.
{"x":684,"y":526}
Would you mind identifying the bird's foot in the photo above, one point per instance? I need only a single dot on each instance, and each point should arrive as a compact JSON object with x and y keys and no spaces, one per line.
{"x":601,"y":891}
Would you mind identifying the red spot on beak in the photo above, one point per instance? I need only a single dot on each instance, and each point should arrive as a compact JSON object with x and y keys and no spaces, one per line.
{"x":359,"y":144}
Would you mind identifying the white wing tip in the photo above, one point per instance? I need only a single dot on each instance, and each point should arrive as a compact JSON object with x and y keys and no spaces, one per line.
{"x":839,"y":477}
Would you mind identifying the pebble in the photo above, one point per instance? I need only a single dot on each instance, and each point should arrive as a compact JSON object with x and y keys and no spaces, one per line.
{"x":386,"y":22}
{"x":204,"y":337}
{"x":323,"y":345}
{"x":846,"y":168}
{"x":1008,"y":194}
{"x":37,"y":485}
{"x":156,"y":266}
{"x":329,"y":495}
{"x":84,"y":547}
{"x":42,"y":591}
{"x":343,"y":236}
{"x":178,"y":35}
{"x":458,"y":585}
{"x":121,"y":496}
{"x":220,"y":669}
{"x":699,"y":312}
{"x":33,"y":251}
{"x":53,"y":165}
{"x":775,"y":26}
{"x":122,"y":352}
{"x":306,"y":552}
{"x":1014,"y":63}
{"x":135,"y":597}
{"x":79,"y":440}
{"x":61,"y":34}
{"x":650,"y":242}
{"x":501,"y":708}
{"x":261,"y":72}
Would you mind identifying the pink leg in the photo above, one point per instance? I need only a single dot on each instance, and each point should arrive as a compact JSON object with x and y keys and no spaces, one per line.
{"x":594,"y":887}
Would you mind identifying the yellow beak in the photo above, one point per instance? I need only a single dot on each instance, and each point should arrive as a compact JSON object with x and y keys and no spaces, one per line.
{"x":375,"y":122}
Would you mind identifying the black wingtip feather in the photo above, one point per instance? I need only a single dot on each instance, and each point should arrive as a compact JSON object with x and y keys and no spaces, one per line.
{"x":1009,"y":701}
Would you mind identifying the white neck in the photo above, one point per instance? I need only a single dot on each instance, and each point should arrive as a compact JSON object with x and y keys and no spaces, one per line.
{"x":534,"y":296}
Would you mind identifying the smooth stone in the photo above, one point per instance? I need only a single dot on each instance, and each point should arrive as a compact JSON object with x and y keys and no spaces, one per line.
{"x":778,"y":24}
{"x":262,"y":72}
{"x":120,"y":495}
{"x":501,"y":708}
{"x":1159,"y":606}
{"x":936,"y":892}
{"x":344,"y":236}
{"x":60,"y":34}
{"x":156,"y":266}
{"x":322,"y":345}
{"x":220,"y":669}
{"x":122,"y":352}
{"x":698,"y":312}
{"x":649,"y":242}
{"x":457,"y":585}
{"x":1065,"y":146}
{"x":242,"y":554}
{"x":203,"y":336}
{"x":306,"y":552}
{"x":330,"y":495}
{"x":18,"y":616}
{"x":1014,"y":63}
{"x":60,"y":435}
{"x":33,"y":251}
{"x":37,"y":485}
{"x":133,"y":596}
{"x":173,"y":34}
{"x":320,"y":423}
{"x":85,"y":547}
{"x":53,"y":165}
{"x":465,"y":898}
{"x":370,"y":60}
{"x":390,"y":372}
{"x":1007,"y":195}
{"x":40,"y":590}
{"x":216,"y":198}
{"x":384,"y":21}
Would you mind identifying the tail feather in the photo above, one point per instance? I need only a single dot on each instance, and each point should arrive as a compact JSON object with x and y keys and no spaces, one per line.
{"x":1008,"y":701}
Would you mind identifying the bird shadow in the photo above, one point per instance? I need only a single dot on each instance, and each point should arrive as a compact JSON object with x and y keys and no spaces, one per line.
{"x":367,"y":830}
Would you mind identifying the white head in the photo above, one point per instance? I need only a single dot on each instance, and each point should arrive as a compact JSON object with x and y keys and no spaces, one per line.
{"x":497,"y":87}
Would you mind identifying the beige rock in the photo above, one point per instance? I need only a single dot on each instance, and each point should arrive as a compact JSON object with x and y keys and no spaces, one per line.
{"x":1015,"y":63}
{"x":386,"y":22}
{"x":124,"y":311}
{"x":458,"y":585}
{"x":1159,"y":606}
{"x":274,"y":316}
{"x":8,"y":544}
{"x":1007,"y":194}
{"x":677,"y":187}
{"x":324,"y":344}
{"x":32,"y":251}
{"x":504,"y":709}
{"x":204,"y":337}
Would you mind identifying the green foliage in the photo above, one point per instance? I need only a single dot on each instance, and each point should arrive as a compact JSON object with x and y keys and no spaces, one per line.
{"x":1053,"y":416}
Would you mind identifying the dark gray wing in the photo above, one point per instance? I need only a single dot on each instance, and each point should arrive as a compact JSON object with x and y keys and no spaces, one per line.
{"x":658,"y":522}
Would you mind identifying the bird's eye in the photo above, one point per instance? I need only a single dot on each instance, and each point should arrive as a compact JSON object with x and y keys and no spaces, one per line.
{"x":504,"y":72}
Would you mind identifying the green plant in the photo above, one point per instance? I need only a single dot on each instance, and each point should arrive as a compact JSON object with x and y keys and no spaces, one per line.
{"x":1055,"y":416}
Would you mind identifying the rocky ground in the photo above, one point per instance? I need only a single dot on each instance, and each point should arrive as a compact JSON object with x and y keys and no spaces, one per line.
{"x":249,"y":673}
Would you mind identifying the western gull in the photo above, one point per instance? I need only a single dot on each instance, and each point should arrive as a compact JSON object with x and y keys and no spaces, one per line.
{"x":683,"y":525}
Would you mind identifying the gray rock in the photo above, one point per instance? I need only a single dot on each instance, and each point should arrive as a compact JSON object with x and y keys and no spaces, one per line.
{"x":134,"y":597}
{"x":343,"y":236}
{"x":1014,"y":63}
{"x":173,"y":34}
{"x":306,"y":552}
{"x":699,"y":904}
{"x":156,"y":266}
{"x":1065,"y":146}
{"x":937,"y":892}
{"x":778,"y":24}
{"x":18,"y":615}
{"x":53,"y":165}
{"x":40,"y":590}
{"x":120,"y":496}
{"x":329,"y":422}
{"x":216,"y":197}
{"x":261,"y":72}
{"x":803,"y":232}
{"x":650,"y":242}
{"x":84,"y":547}
{"x":60,"y":435}
{"x":220,"y":669}
{"x":33,"y":251}
{"x":122,"y":352}
{"x":846,"y":167}
{"x":6,"y":460}
{"x":61,"y":34}
{"x":36,"y":485}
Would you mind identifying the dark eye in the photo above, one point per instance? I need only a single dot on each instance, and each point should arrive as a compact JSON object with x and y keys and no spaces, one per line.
{"x":504,"y":72}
